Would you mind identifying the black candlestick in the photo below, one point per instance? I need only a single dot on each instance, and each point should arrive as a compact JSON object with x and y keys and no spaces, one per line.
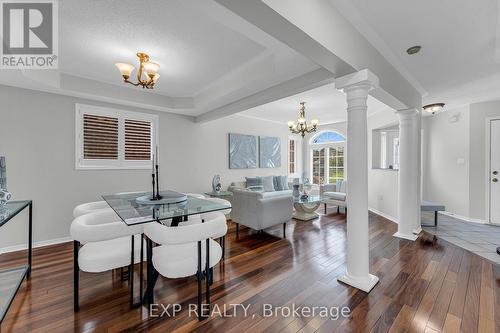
{"x":158,"y":196}
{"x":154,"y":195}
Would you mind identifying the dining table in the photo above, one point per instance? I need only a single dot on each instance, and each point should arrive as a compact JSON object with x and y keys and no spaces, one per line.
{"x":132,"y":210}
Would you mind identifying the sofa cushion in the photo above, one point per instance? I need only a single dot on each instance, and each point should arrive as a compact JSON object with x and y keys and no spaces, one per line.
{"x":284,"y":183}
{"x":277,"y":183}
{"x":341,"y":186}
{"x":255,"y":188}
{"x":268,"y":183}
{"x":275,"y":194}
{"x":335,"y":195}
{"x":253,"y":181}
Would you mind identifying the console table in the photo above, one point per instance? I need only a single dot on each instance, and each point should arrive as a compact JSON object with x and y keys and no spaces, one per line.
{"x":12,"y":278}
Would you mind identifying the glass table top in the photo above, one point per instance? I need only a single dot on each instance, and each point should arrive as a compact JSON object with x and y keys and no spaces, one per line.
{"x":132,"y":212}
{"x":10,"y":282}
{"x":11,"y":209}
{"x":311,"y":199}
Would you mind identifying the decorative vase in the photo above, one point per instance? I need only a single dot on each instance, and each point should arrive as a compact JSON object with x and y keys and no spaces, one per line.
{"x":216,"y":185}
{"x":5,"y":197}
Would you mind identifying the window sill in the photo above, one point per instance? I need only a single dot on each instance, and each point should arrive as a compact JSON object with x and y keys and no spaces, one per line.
{"x":86,"y":168}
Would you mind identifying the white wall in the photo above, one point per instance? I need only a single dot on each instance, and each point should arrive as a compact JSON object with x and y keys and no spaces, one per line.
{"x":382,"y":183}
{"x":446,"y":162}
{"x":37,"y":135}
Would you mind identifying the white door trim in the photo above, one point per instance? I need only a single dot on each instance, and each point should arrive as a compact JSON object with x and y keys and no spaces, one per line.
{"x":487,"y":166}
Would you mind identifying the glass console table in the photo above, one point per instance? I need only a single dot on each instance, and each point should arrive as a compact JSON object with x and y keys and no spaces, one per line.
{"x":305,"y":209}
{"x":12,"y":278}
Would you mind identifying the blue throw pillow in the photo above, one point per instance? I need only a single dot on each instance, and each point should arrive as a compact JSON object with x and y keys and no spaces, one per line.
{"x":278,"y":186}
{"x":253,"y":181}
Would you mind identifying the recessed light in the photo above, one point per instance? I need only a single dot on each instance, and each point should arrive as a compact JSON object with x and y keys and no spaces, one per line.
{"x":414,"y":49}
{"x":433,"y":108}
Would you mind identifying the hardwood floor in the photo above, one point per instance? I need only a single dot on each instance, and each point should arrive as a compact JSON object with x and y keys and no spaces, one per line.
{"x":424,"y":287}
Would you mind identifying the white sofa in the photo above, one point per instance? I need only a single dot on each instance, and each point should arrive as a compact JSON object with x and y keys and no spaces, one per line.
{"x":260,"y":210}
{"x":335,"y":194}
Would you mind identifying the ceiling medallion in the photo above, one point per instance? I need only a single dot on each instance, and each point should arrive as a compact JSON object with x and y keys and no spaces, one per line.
{"x":433,"y":108}
{"x":149,"y":68}
{"x":300,"y":127}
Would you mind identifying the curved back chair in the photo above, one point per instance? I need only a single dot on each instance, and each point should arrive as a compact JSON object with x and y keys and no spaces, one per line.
{"x":90,"y":207}
{"x":180,"y":252}
{"x":226,"y":212}
{"x":109,"y":244}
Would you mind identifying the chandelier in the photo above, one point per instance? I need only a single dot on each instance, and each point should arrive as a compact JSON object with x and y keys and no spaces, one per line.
{"x":146,"y":67}
{"x":301,"y":127}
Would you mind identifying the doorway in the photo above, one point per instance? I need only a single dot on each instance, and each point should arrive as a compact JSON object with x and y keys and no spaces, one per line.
{"x":493,"y":169}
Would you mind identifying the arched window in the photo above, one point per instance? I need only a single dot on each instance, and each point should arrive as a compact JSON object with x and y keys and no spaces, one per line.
{"x":327,"y":157}
{"x":328,"y":137}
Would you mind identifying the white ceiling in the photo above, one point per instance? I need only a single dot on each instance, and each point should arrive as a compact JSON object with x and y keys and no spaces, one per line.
{"x":325,"y":103}
{"x":458,"y":37}
{"x":209,"y":56}
{"x":192,"y":49}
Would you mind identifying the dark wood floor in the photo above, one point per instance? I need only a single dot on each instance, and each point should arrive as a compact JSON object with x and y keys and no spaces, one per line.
{"x":423,"y":287}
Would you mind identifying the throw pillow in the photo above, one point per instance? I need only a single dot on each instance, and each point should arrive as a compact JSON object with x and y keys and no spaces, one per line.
{"x":284,"y":183}
{"x":267,"y":182}
{"x":277,"y":183}
{"x":253,"y":181}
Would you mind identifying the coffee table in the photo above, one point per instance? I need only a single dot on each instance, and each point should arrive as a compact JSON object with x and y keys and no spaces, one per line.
{"x":305,"y":209}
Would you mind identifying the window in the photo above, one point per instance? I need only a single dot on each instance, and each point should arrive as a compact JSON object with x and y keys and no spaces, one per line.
{"x":114,"y":139}
{"x":327,"y":157}
{"x":395,"y":153}
{"x":292,"y":158}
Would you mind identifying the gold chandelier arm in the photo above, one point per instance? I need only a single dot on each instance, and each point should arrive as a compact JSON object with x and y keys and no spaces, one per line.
{"x":132,"y":83}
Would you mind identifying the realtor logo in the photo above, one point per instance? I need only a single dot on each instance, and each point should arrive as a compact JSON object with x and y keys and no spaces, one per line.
{"x":29,"y":34}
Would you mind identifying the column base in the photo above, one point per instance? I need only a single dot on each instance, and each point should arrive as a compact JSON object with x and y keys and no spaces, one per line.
{"x":417,"y":231}
{"x":365,"y":284}
{"x":411,"y":237}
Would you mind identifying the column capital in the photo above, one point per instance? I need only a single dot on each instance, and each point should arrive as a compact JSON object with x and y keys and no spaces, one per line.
{"x":407,"y":113}
{"x":361,"y":78}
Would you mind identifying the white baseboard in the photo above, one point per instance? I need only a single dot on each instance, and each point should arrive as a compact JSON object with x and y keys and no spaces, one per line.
{"x":465,"y":218}
{"x":387,"y":216}
{"x":35,"y":245}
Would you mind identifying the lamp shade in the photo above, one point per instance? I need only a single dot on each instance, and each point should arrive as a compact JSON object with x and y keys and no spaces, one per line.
{"x":156,"y":77}
{"x":151,"y":68}
{"x":125,"y":69}
{"x":315,"y":122}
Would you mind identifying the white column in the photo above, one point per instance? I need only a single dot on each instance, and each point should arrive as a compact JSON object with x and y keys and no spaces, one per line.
{"x":407,"y":191}
{"x":356,"y":86}
{"x":418,"y":134}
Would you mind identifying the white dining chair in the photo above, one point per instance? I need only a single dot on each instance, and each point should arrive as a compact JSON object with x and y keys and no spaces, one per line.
{"x":222,"y":238}
{"x":108,"y":244}
{"x":90,"y":207}
{"x":180,"y":252}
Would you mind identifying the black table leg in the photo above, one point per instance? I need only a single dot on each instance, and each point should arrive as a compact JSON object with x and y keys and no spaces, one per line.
{"x":30,"y":238}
